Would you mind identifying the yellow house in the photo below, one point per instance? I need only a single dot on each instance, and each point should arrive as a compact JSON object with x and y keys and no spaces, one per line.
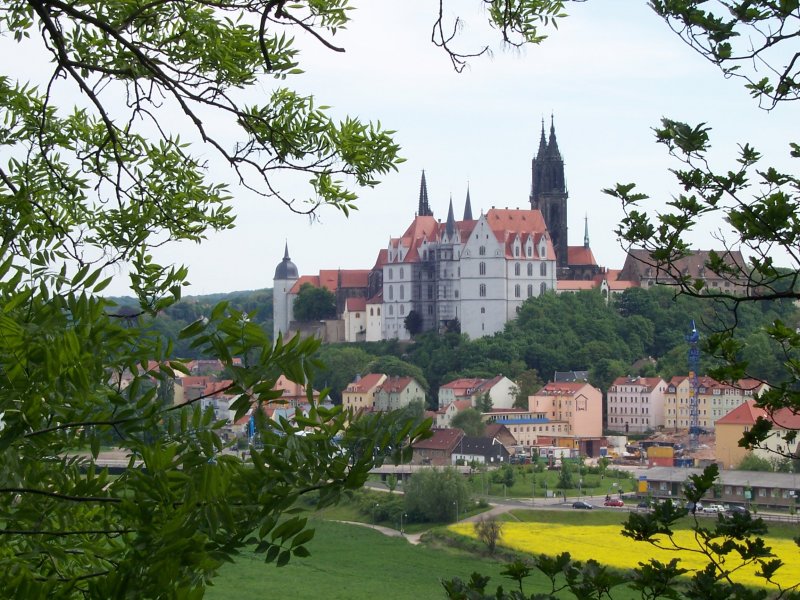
{"x":360,"y":394}
{"x":714,"y":400}
{"x":731,"y":427}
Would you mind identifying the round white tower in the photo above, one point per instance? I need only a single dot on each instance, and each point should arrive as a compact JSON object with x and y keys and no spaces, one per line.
{"x":285,"y":276}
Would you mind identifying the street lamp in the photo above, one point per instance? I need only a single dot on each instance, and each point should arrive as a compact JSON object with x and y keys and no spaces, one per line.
{"x":402,"y":516}
{"x":533,"y":495}
{"x":455,"y":503}
{"x":374,"y":508}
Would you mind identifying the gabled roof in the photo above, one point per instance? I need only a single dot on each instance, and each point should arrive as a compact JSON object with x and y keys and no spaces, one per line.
{"x":580,"y":255}
{"x":354,"y":304}
{"x":747,"y":413}
{"x":292,"y":389}
{"x":462,"y":385}
{"x":646,"y":382}
{"x":394,"y":385}
{"x":329,"y":279}
{"x":366,"y":383}
{"x":442,"y":439}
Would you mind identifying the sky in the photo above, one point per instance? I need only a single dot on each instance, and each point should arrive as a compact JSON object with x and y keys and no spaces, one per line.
{"x":607,"y":76}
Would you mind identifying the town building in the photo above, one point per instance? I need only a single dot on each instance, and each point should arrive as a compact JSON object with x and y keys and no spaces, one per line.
{"x":398,"y":392}
{"x":500,"y":390}
{"x":360,"y":394}
{"x":636,"y":404}
{"x":579,"y":405}
{"x":730,"y":429}
{"x":714,"y":400}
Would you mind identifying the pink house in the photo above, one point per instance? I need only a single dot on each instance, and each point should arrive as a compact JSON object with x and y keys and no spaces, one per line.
{"x":577,"y":404}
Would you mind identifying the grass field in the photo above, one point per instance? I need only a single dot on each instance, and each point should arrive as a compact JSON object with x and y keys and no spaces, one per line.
{"x":351,"y":562}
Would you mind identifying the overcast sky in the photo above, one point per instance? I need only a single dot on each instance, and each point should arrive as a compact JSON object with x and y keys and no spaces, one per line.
{"x":608,"y":75}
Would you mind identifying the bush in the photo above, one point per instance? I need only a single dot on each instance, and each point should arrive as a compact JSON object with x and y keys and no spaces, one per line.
{"x":435,"y":495}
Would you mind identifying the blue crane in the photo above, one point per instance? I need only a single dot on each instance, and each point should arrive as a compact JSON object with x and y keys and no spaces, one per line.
{"x":694,"y":366}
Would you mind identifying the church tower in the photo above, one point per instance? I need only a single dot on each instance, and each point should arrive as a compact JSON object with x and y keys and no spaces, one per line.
{"x":282,"y":283}
{"x":549,"y":194}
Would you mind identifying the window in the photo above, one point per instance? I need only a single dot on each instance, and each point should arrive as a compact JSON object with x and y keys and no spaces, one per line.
{"x":516,"y":250}
{"x":482,"y":268}
{"x":379,"y":311}
{"x":483,"y":310}
{"x":430,"y":292}
{"x":516,"y":269}
{"x":402,"y":292}
{"x":391,"y":275}
{"x":430,"y":309}
{"x":401,"y":272}
{"x":543,"y":288}
{"x":391,"y":292}
{"x":391,"y":309}
{"x":529,"y":250}
{"x":530,"y":290}
{"x":516,"y":291}
{"x":402,"y":309}
{"x":482,"y":290}
{"x":482,"y":250}
{"x":530,"y":269}
{"x":543,"y":269}
{"x":358,"y":315}
{"x":371,"y":312}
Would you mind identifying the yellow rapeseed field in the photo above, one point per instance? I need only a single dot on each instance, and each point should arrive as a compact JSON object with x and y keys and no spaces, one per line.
{"x":606,"y":545}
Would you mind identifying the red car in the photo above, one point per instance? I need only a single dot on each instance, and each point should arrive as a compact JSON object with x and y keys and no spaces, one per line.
{"x":614,"y":502}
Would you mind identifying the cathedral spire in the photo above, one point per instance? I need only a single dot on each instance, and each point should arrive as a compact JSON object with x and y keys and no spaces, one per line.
{"x":552,"y":144}
{"x":468,"y":207}
{"x":424,"y":209}
{"x":450,"y":228}
{"x":542,"y":143}
{"x":586,"y":231}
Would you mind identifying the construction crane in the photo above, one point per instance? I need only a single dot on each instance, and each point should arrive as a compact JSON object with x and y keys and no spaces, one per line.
{"x":694,"y":367}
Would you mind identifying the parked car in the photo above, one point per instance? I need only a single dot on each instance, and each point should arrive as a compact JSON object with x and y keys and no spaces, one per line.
{"x":736,"y":509}
{"x":582,"y":504}
{"x":714,"y":508}
{"x":643,"y":504}
{"x":691,"y":507}
{"x":614,"y":502}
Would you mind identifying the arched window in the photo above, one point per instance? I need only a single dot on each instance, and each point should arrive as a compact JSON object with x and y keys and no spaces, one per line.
{"x":482,"y":250}
{"x":482,"y":268}
{"x":530,"y":290}
{"x":391,"y":292}
{"x":530,"y":269}
{"x":391,"y":309}
{"x":482,"y":290}
{"x":402,"y":309}
{"x":516,"y":250}
{"x":401,"y":272}
{"x":391,"y":275}
{"x":517,"y":292}
{"x":371,"y":312}
{"x":543,"y":288}
{"x":516,"y":269}
{"x":379,"y":311}
{"x":543,"y":269}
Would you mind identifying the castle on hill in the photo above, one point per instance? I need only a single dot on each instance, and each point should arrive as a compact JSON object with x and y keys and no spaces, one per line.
{"x":473,"y":273}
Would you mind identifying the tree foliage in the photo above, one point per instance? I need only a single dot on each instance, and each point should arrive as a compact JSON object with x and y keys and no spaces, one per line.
{"x":436,"y":494}
{"x":314,"y":303}
{"x":90,"y":190}
{"x":489,"y":531}
{"x":469,"y":421}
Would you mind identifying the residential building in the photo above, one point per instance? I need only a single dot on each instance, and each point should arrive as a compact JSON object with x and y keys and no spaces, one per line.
{"x":437,"y":449}
{"x":730,"y":429}
{"x":500,"y":390}
{"x":578,"y":404}
{"x":445,"y":414}
{"x":360,"y":394}
{"x":714,"y":400}
{"x":636,"y":404}
{"x":480,"y":450}
{"x":398,"y":392}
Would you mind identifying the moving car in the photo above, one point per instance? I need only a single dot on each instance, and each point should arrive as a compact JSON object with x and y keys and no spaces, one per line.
{"x":714,"y":508}
{"x":614,"y":502}
{"x":582,"y":504}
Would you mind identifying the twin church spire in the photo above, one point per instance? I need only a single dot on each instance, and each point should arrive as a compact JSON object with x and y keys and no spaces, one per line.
{"x":424,"y":208}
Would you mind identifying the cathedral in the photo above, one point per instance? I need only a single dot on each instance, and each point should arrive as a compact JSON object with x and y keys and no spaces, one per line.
{"x":470,"y":274}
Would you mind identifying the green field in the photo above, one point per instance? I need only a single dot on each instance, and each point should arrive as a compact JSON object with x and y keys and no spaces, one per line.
{"x":350,"y":562}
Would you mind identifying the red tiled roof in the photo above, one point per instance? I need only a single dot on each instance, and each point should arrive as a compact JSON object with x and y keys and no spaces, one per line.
{"x":329,"y":279}
{"x":648,"y":382}
{"x":565,"y":387}
{"x":354,"y":304}
{"x":580,"y":255}
{"x":747,"y":413}
{"x":442,"y":439}
{"x":366,"y":383}
{"x":460,"y":386}
{"x":383,"y":257}
{"x":566,"y":285}
{"x":396,"y":384}
{"x":195,"y":380}
{"x":216,"y":387}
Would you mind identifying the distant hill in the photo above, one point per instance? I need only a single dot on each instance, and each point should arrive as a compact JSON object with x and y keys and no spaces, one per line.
{"x":258,"y":303}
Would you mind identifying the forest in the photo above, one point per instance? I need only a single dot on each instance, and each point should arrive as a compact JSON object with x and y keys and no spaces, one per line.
{"x":639,"y":332}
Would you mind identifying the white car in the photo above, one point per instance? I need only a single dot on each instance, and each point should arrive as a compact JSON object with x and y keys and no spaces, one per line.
{"x":714,"y":508}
